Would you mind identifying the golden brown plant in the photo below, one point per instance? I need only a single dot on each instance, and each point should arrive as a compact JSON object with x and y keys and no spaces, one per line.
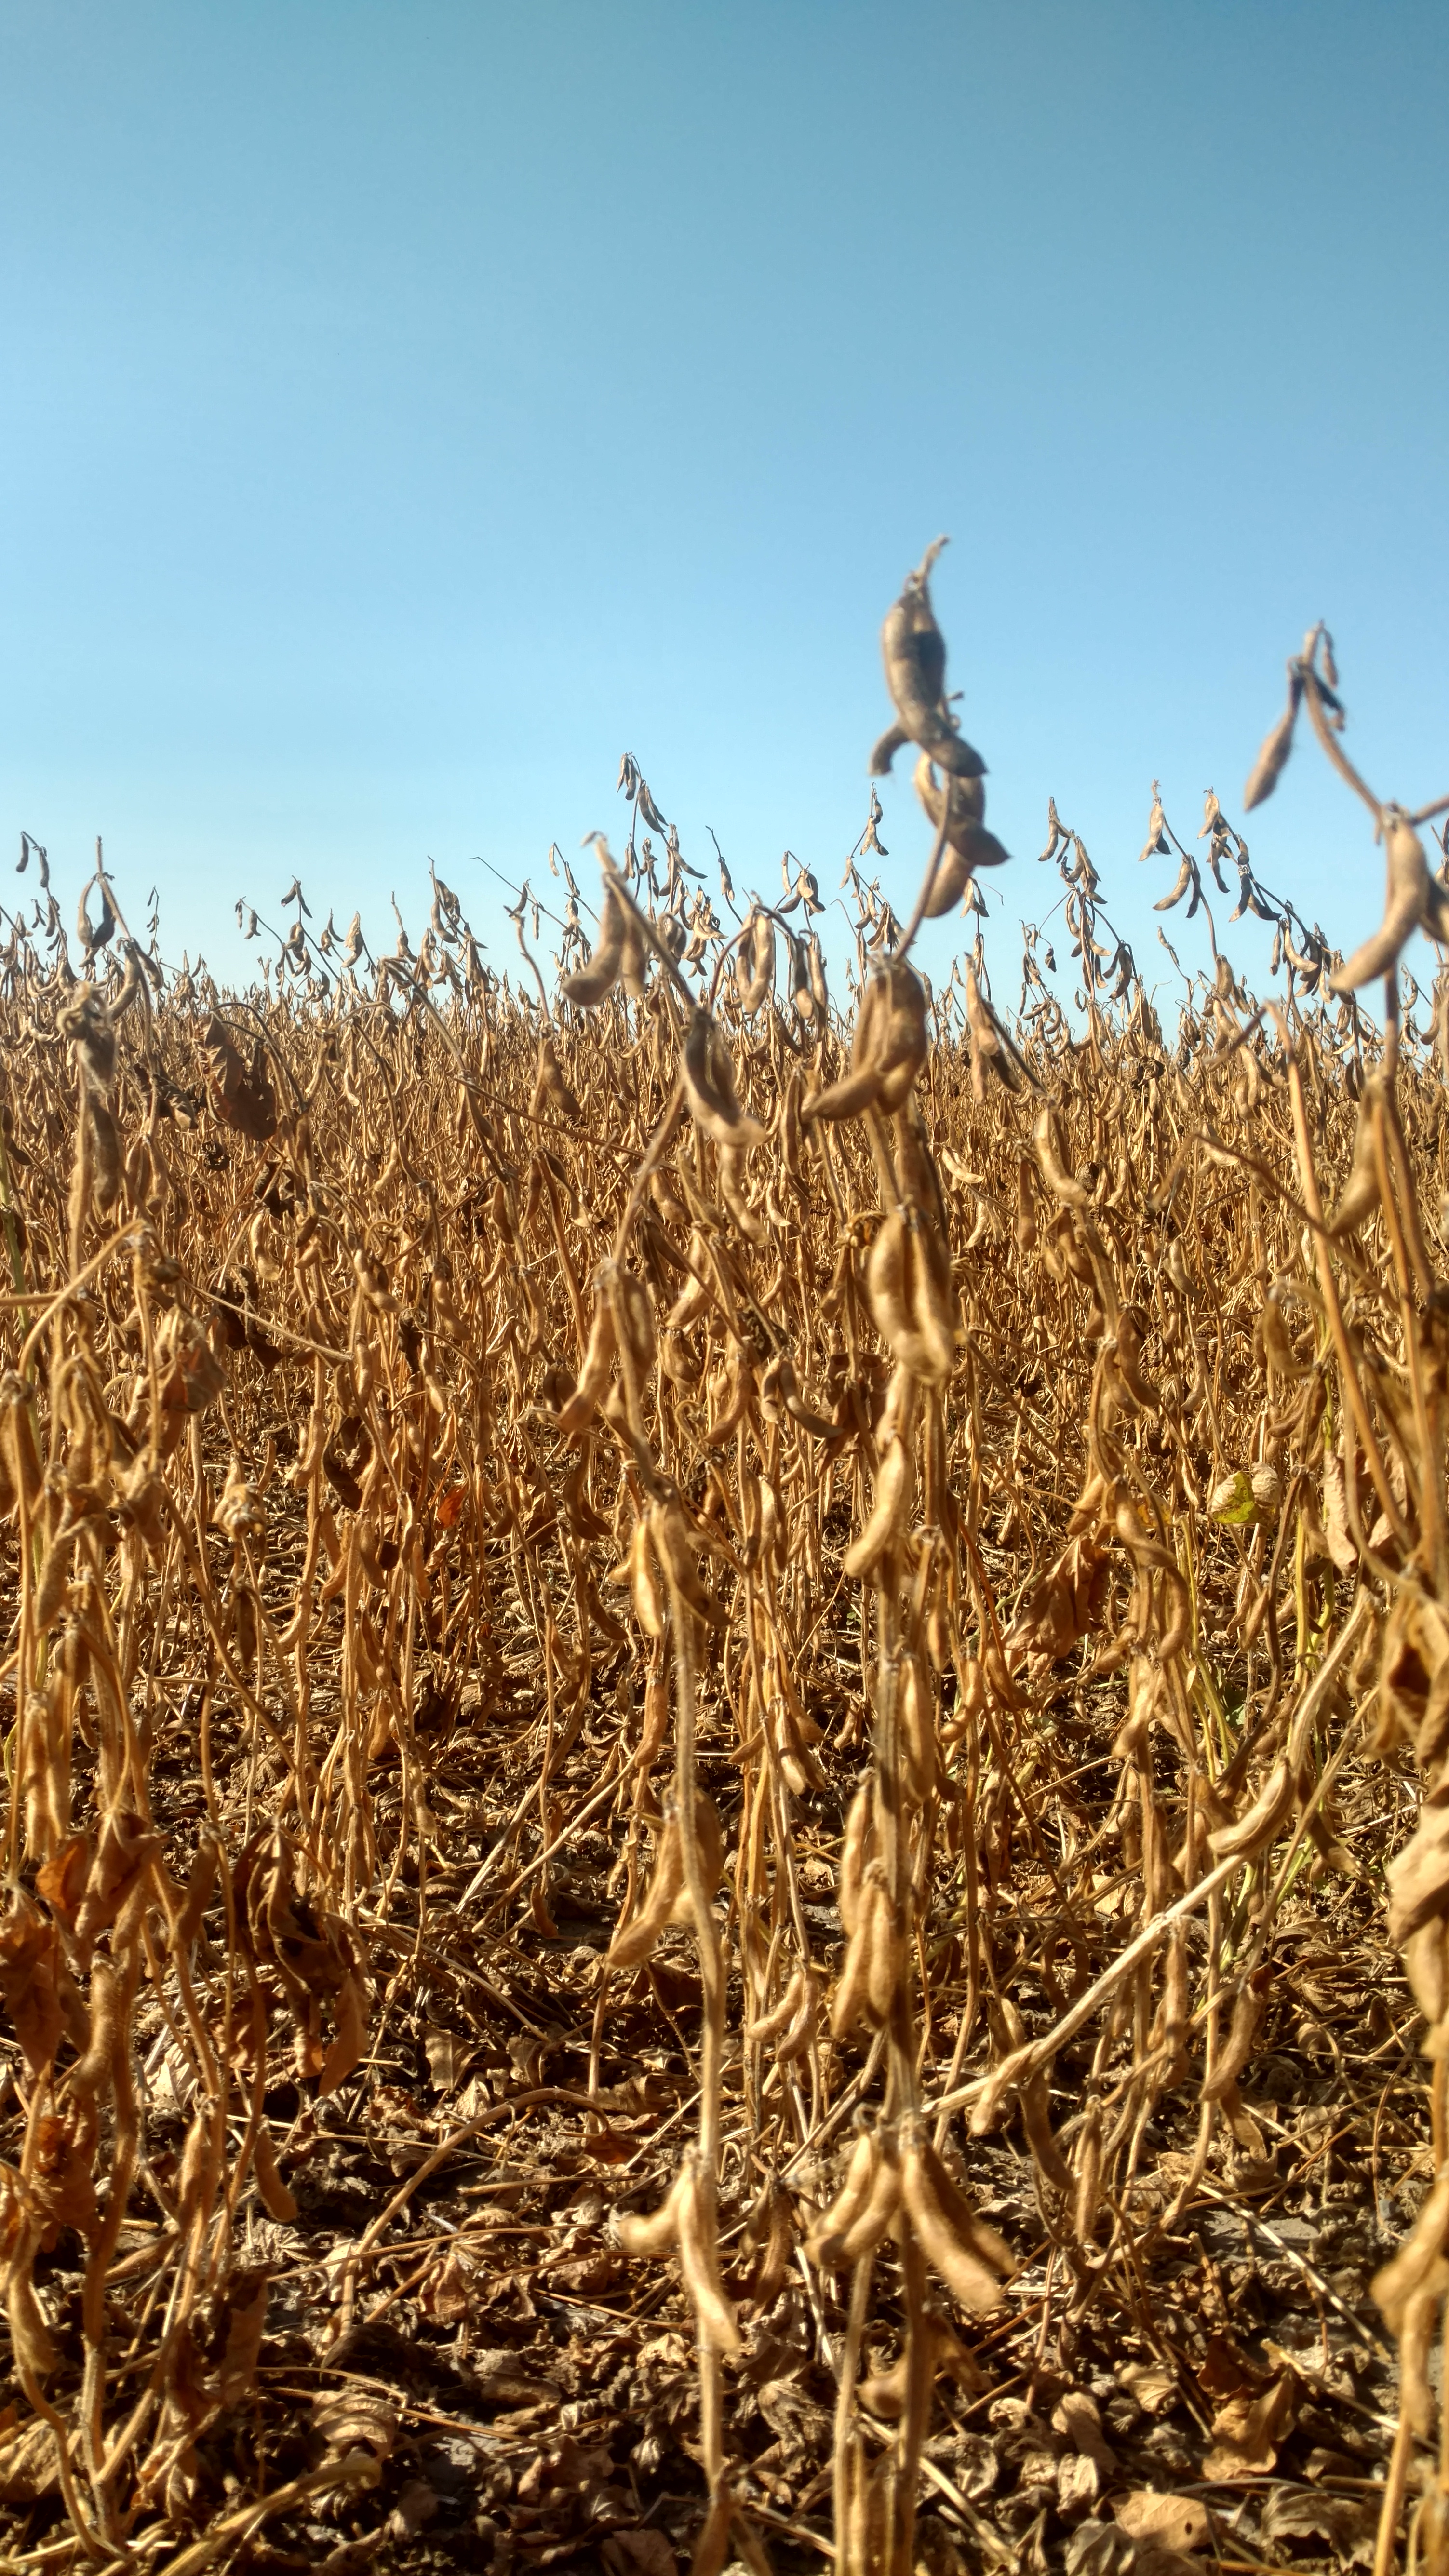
{"x":724,"y":1394}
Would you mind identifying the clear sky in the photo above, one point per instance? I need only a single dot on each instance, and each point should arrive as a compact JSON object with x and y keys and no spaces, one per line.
{"x":411,"y":407}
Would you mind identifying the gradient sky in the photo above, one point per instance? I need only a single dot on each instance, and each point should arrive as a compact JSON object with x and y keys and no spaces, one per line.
{"x":410,"y":408}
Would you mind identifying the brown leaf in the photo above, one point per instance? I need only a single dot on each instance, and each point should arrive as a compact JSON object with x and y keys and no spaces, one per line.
{"x":60,"y":2179}
{"x":351,"y":2416}
{"x":415,"y":2508}
{"x":29,"y":1965}
{"x":123,"y":1851}
{"x":242,"y":1098}
{"x":28,"y":2467}
{"x":798,"y":2420}
{"x":246,"y":2316}
{"x":1154,"y":2387}
{"x":62,"y":1880}
{"x":349,"y":2036}
{"x":1247,"y":2431}
{"x":505,"y":2380}
{"x":1419,"y":1877}
{"x":644,"y":2552}
{"x":1225,"y":2370}
{"x":1175,"y":2521}
{"x":446,"y":2054}
{"x":1078,"y":2416}
{"x":1078,"y":2483}
{"x":1301,"y":2513}
{"x":447,"y":2294}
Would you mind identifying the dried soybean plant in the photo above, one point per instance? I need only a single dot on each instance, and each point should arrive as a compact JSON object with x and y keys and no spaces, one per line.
{"x":1403,"y":1549}
{"x":799,"y":1596}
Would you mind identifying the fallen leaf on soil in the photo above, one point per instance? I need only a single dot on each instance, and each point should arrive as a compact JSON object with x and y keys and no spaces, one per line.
{"x":349,"y":2416}
{"x":1248,"y":2430}
{"x":647,"y":2552}
{"x":1154,"y":2388}
{"x":1299,"y":2513}
{"x":1175,"y":2522}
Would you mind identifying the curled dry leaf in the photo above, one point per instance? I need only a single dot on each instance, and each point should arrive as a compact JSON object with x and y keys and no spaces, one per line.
{"x":356,"y":2418}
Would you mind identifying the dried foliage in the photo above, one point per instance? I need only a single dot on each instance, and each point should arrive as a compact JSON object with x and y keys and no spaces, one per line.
{"x":705,"y":1711}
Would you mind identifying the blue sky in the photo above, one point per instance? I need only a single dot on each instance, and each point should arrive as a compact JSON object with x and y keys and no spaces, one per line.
{"x":410,"y":408}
